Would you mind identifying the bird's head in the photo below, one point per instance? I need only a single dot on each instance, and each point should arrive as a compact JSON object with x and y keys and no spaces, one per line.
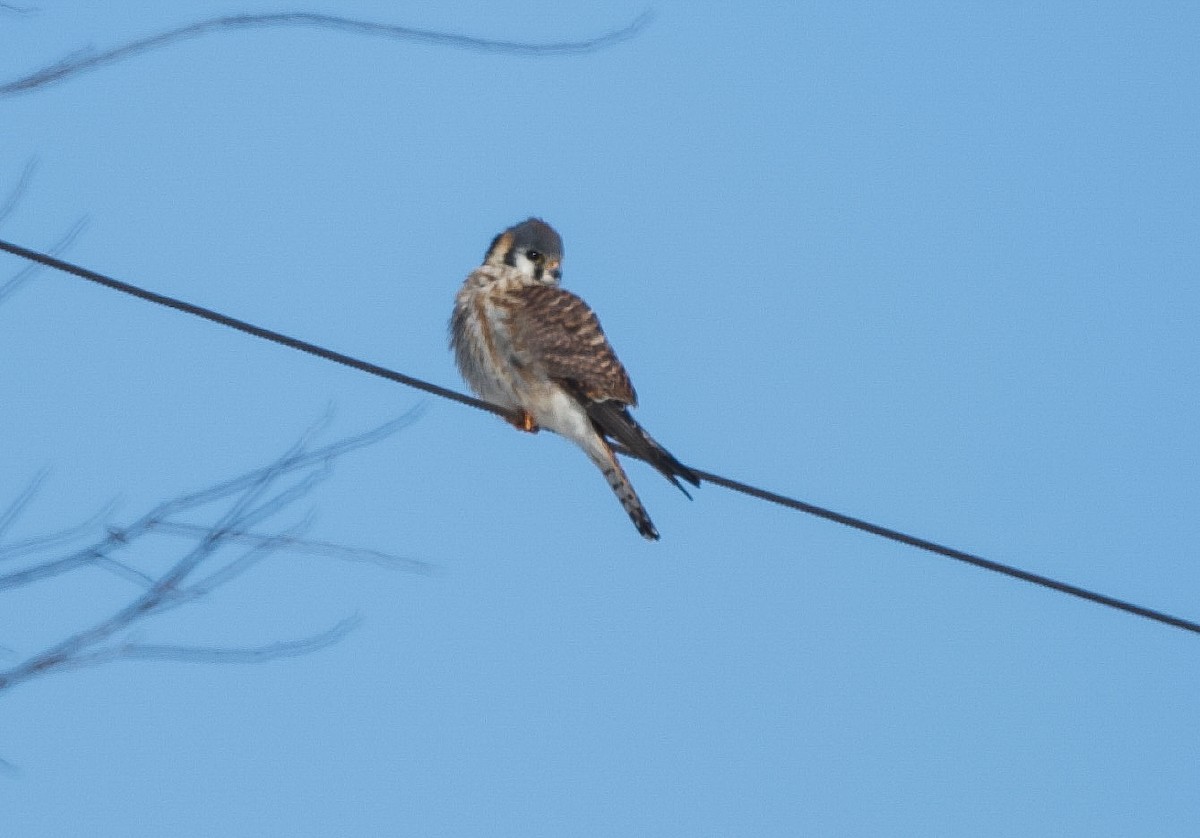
{"x":533,"y":248}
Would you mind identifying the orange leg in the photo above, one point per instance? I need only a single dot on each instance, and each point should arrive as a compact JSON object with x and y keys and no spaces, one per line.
{"x":524,"y":422}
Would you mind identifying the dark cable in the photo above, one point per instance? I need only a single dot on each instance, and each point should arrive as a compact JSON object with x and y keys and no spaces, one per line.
{"x":950,"y":552}
{"x":251,"y":329}
{"x":752,"y":491}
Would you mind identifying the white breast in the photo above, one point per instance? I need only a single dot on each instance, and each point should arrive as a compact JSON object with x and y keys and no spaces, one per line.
{"x":482,"y":342}
{"x":498,"y":371}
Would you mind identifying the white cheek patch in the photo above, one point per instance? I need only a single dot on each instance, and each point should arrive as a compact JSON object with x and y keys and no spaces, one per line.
{"x":530,"y":270}
{"x":521,"y":263}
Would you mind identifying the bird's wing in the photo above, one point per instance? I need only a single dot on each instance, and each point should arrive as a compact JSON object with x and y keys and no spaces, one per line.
{"x":562,"y":335}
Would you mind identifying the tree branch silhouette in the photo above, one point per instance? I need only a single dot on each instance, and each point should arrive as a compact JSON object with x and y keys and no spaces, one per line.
{"x":18,"y":280}
{"x":210,"y":561}
{"x":18,"y":191}
{"x":86,"y":60}
{"x":21,"y":277}
{"x":219,"y":654}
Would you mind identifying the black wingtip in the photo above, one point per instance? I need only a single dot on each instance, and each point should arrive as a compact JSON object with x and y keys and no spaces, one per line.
{"x":678,"y":485}
{"x":612,"y":419}
{"x":672,"y":469}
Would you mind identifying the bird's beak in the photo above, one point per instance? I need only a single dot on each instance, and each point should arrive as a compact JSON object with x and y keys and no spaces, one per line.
{"x":554,"y":270}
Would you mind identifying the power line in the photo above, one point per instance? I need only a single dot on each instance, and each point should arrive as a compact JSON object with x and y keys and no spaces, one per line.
{"x":251,"y":329}
{"x":746,"y":489}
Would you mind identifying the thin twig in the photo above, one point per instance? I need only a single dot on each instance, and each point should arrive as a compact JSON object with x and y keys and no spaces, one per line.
{"x":29,"y":271}
{"x":305,"y":546}
{"x":14,"y":510}
{"x":218,"y":654}
{"x":18,"y":191}
{"x":53,"y":541}
{"x":85,"y":60}
{"x":252,"y":498}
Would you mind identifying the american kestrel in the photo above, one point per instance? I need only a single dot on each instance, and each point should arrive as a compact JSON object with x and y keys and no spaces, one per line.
{"x":524,"y":343}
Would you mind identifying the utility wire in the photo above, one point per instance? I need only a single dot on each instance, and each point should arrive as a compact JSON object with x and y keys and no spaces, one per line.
{"x":746,"y":489}
{"x":251,"y":329}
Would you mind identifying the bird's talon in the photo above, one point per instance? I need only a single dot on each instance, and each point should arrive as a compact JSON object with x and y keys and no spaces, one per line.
{"x":525,"y":422}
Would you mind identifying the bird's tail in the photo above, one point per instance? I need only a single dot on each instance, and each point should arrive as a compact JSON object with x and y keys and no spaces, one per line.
{"x":612,"y":419}
{"x":606,"y":461}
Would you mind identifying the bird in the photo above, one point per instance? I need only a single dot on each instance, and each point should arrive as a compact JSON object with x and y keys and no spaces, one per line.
{"x":525,"y":344}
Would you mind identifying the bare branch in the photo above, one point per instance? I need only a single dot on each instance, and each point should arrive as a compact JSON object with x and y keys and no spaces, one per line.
{"x":246,"y":560}
{"x":84,"y":61}
{"x":48,"y":570}
{"x":257,"y":480}
{"x":18,"y":191}
{"x":53,"y":541}
{"x":25,"y":274}
{"x":298,"y":545}
{"x":248,"y":500}
{"x":301,"y":460}
{"x":220,"y":654}
{"x":8,"y":516}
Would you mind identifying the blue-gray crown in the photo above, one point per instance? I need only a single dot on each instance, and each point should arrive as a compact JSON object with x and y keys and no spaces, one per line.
{"x":535,"y":234}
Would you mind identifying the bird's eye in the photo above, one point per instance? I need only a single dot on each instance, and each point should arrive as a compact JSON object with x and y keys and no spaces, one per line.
{"x":533,"y":255}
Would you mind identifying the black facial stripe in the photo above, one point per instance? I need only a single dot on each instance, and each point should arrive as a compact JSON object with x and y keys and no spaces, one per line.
{"x":510,"y":257}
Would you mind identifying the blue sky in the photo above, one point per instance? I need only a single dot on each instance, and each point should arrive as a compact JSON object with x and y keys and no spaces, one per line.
{"x":929,"y":264}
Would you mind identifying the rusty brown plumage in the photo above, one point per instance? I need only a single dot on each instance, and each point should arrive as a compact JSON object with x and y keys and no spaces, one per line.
{"x":564,"y":335}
